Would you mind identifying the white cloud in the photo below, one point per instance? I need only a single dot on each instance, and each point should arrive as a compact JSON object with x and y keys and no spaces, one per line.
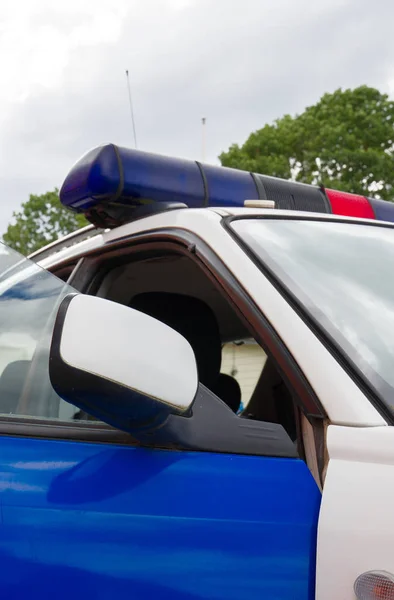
{"x":240,"y":63}
{"x":36,"y":51}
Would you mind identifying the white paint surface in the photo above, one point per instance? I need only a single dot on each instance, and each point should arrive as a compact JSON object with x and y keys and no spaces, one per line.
{"x":125,"y":346}
{"x":356,"y":525}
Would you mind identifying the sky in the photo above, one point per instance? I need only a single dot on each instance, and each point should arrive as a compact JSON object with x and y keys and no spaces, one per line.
{"x":238,"y":63}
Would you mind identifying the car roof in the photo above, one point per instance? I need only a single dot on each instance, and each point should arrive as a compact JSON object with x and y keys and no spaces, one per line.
{"x":89,"y":238}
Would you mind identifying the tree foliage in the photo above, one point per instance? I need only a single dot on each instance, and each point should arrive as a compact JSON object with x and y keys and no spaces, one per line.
{"x":41,"y":220}
{"x":345,"y":141}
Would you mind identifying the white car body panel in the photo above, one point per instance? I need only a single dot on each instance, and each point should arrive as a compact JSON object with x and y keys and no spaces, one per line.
{"x":356,"y":523}
{"x":77,"y":250}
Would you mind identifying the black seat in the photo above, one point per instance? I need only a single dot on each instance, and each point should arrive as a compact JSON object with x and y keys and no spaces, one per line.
{"x":196,"y":322}
{"x":229,"y":390}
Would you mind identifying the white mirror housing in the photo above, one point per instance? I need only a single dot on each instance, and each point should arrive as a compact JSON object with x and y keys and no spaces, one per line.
{"x":120,"y":365}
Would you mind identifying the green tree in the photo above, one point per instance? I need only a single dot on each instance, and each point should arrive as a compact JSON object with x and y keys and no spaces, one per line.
{"x":345,"y":141}
{"x":41,"y":220}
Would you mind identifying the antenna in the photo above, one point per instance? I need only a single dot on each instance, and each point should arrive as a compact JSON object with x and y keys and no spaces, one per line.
{"x":203,"y":121}
{"x":131,"y":109}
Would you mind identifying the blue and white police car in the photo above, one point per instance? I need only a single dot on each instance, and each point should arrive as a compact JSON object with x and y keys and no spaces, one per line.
{"x":127,"y":468}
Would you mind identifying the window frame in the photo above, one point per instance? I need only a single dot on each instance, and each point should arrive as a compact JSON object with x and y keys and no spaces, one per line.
{"x":91,"y":267}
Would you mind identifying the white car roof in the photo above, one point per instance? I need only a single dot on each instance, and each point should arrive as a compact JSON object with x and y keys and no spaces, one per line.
{"x":192,"y":220}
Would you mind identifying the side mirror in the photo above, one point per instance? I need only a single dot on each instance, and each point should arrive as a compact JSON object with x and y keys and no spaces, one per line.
{"x":119,"y":365}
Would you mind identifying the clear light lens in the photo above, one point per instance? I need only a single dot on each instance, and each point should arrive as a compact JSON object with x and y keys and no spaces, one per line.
{"x":375,"y":585}
{"x":259,"y":204}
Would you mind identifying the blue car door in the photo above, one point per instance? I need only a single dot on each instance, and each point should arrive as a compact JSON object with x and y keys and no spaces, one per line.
{"x":100,"y":521}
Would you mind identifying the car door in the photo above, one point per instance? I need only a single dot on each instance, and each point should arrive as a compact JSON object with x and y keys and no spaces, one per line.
{"x":109,"y":521}
{"x":87,"y":513}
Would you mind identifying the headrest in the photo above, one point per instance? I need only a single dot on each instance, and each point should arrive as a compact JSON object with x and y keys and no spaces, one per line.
{"x":194,"y":320}
{"x":229,"y":390}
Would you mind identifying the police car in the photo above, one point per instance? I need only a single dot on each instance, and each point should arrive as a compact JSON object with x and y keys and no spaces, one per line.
{"x":127,"y":467}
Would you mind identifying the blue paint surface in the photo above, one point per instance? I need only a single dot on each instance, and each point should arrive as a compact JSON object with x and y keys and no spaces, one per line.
{"x":110,"y":173}
{"x":384,"y":211}
{"x":92,"y":521}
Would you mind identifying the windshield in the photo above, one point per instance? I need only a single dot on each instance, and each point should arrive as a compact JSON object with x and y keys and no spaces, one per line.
{"x":29,"y":299}
{"x":341,"y":274}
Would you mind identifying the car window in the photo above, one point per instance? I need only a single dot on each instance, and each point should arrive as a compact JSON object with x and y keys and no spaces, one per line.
{"x":243,"y":360}
{"x":341,"y":275}
{"x":29,"y":300}
{"x":176,"y":289}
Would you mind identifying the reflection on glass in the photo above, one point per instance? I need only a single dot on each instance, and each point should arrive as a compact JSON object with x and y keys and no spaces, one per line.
{"x":29,"y":299}
{"x":342,"y":274}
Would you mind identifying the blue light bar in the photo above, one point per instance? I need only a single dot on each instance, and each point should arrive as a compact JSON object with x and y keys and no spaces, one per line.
{"x":384,"y":211}
{"x":109,"y":176}
{"x":112,"y":185}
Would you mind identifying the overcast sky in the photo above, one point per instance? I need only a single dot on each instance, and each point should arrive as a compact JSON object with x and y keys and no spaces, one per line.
{"x":239,"y":63}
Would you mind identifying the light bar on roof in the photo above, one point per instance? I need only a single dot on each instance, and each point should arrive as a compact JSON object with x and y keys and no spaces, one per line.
{"x":350,"y":205}
{"x":111,"y":185}
{"x":110,"y":177}
{"x":383,"y":210}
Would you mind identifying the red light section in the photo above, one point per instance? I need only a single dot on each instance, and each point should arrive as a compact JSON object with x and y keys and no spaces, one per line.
{"x":349,"y":205}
